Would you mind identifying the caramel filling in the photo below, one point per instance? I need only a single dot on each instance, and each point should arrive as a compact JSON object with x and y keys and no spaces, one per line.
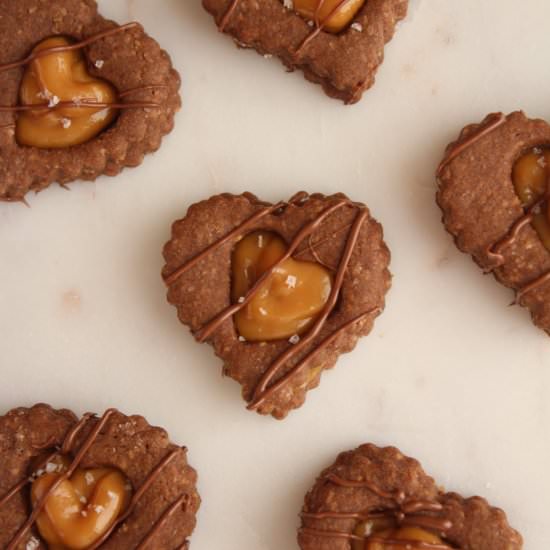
{"x":395,"y":538}
{"x":332,"y":15}
{"x":53,"y":80}
{"x":531,"y":177}
{"x":288,"y":301}
{"x":80,"y":510}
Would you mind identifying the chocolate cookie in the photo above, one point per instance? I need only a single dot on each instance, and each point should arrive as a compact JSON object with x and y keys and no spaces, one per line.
{"x":80,"y":96}
{"x":493,"y":188}
{"x":113,"y":482}
{"x":279,"y":290}
{"x":376,"y":498}
{"x":336,"y":43}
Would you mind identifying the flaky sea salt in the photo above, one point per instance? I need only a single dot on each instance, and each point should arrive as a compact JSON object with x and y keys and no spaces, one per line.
{"x":32,"y":544}
{"x":89,"y":478}
{"x":291,"y":281}
{"x":99,"y":63}
{"x":66,"y":123}
{"x":294,"y":339}
{"x":357,"y":27}
{"x":54,"y":100}
{"x":288,"y":4}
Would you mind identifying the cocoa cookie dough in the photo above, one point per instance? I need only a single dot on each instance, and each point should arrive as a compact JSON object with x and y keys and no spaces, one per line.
{"x":50,"y":106}
{"x":344,"y":61}
{"x":493,"y":186}
{"x":113,"y":482}
{"x":279,"y":290}
{"x":376,"y":498}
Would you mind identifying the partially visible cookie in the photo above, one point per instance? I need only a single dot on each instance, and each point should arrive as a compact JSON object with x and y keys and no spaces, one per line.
{"x":114,"y":483}
{"x":376,"y":498}
{"x":344,"y":61}
{"x":101,"y":99}
{"x":493,"y":186}
{"x":279,"y":290}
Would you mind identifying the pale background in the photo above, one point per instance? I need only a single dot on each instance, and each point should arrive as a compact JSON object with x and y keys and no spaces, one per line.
{"x":450,"y":374}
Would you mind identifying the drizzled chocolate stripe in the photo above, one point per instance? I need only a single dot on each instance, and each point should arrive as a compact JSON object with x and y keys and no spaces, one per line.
{"x":137,"y":496}
{"x":80,"y":103}
{"x":171,"y":510}
{"x":254,"y":404}
{"x":405,"y":512}
{"x":69,"y":437}
{"x":202,"y":334}
{"x":174,"y":276}
{"x":394,"y":543}
{"x":70,"y":47}
{"x":533,"y":285}
{"x":267,"y":377}
{"x":319,"y":24}
{"x":39,"y":506}
{"x":492,"y":123}
{"x":494,"y":251}
{"x":77,"y":104}
{"x":66,"y":448}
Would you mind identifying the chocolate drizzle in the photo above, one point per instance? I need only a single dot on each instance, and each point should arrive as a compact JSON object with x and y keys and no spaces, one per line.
{"x":405,"y":512}
{"x":80,"y":103}
{"x":492,"y":122}
{"x":494,"y":252}
{"x":319,"y":24}
{"x":67,"y":447}
{"x":266,"y":387}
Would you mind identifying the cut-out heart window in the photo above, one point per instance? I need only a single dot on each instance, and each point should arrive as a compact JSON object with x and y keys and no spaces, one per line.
{"x":288,"y":301}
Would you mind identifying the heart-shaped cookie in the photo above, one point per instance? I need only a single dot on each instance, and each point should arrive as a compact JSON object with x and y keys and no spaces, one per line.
{"x":113,"y":482}
{"x":493,"y":185}
{"x":376,"y":498}
{"x":338,"y":262}
{"x":336,"y":43}
{"x":79,"y":95}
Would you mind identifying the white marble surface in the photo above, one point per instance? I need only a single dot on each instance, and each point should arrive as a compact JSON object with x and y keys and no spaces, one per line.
{"x":450,"y":374}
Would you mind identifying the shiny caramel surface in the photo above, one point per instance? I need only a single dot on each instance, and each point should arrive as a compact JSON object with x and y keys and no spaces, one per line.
{"x":81,"y":509}
{"x":55,"y":78}
{"x":333,"y":15}
{"x":531,"y":177}
{"x":288,"y":301}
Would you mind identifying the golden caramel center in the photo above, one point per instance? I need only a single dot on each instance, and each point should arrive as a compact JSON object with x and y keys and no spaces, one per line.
{"x":395,"y":538}
{"x":80,"y":510}
{"x":288,"y":301}
{"x":531,"y":177}
{"x":52,"y":80}
{"x":332,"y":15}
